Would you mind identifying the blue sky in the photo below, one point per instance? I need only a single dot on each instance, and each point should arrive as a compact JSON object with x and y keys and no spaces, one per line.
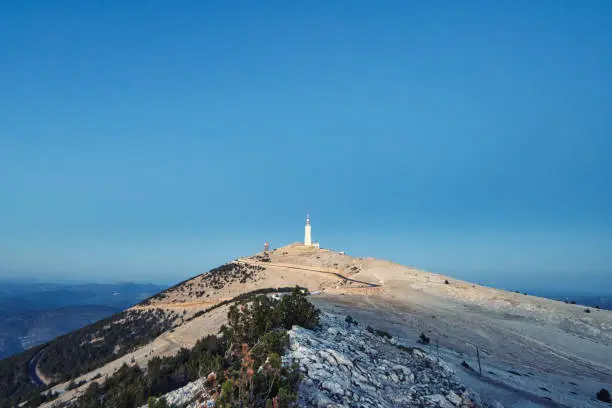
{"x":151,"y":141}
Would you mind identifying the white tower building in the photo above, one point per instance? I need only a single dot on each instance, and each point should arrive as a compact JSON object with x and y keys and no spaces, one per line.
{"x":307,"y":232}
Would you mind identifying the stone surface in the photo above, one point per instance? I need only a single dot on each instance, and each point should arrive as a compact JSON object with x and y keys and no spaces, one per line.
{"x":186,"y":395}
{"x":439,"y":401}
{"x":453,"y":398}
{"x":344,"y":365}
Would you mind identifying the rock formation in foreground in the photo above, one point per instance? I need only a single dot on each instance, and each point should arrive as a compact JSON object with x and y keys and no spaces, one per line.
{"x":345,"y":365}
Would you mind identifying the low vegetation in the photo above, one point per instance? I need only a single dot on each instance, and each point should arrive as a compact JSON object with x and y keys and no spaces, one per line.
{"x":604,"y":396}
{"x":377,"y":332}
{"x":15,"y":385}
{"x":349,"y":319}
{"x":242,"y":367}
{"x":423,"y":339}
{"x":74,"y":385}
{"x":232,"y":272}
{"x":153,"y":402}
{"x":93,"y":346}
{"x":206,"y":284}
{"x":245,"y":296}
{"x":262,"y":258}
{"x":78,"y":352}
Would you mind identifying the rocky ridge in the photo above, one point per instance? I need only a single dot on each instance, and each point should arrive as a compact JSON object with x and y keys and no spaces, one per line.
{"x":347,"y":365}
{"x":186,"y":395}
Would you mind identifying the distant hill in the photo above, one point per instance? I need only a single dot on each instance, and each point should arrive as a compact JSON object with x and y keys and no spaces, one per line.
{"x":22,"y":296}
{"x":34,"y":313}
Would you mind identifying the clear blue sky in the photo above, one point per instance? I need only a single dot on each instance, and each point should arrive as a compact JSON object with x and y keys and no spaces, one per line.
{"x":151,"y":141}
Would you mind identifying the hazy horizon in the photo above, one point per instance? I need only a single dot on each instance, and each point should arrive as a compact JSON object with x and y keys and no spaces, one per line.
{"x":572,"y":284}
{"x":152,"y":142}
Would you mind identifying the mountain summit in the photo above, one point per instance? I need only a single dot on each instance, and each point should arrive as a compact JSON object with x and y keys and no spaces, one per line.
{"x":507,"y":348}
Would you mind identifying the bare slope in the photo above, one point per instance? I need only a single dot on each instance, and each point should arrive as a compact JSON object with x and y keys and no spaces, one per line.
{"x":533,"y":350}
{"x":284,"y":267}
{"x":168,"y":343}
{"x":539,"y":349}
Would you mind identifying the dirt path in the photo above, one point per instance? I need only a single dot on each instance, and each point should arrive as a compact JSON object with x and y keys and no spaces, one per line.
{"x":166,"y":344}
{"x":362,"y":290}
{"x":329,"y":271}
{"x":33,"y":370}
{"x":181,"y":305}
{"x":365,"y":288}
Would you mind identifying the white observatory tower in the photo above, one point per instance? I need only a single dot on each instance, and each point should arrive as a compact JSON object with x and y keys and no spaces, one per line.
{"x":307,"y":232}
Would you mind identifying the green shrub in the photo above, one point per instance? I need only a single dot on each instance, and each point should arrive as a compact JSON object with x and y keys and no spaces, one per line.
{"x":423,"y":339}
{"x":157,"y":403}
{"x":75,"y":353}
{"x":249,"y":320}
{"x":246,"y":361}
{"x":604,"y":395}
{"x":256,"y":334}
{"x":74,"y":384}
{"x":380,"y":333}
{"x":272,"y":342}
{"x":285,"y":397}
{"x":295,"y":309}
{"x":226,"y":398}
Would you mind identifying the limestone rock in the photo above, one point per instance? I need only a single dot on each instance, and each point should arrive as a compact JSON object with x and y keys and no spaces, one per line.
{"x":188,"y":393}
{"x":332,"y":387}
{"x":453,"y":398}
{"x":440,"y":401}
{"x":347,"y":366}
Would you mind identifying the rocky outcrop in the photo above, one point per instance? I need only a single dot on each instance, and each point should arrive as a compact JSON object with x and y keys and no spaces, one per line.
{"x":192,"y":395}
{"x":345,"y":365}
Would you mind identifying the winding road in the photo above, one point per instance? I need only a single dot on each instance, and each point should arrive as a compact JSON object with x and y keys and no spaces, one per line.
{"x":34,"y":378}
{"x":329,"y":271}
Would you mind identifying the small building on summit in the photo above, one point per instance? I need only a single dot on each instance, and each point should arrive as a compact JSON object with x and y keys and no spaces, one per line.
{"x":308,"y":234}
